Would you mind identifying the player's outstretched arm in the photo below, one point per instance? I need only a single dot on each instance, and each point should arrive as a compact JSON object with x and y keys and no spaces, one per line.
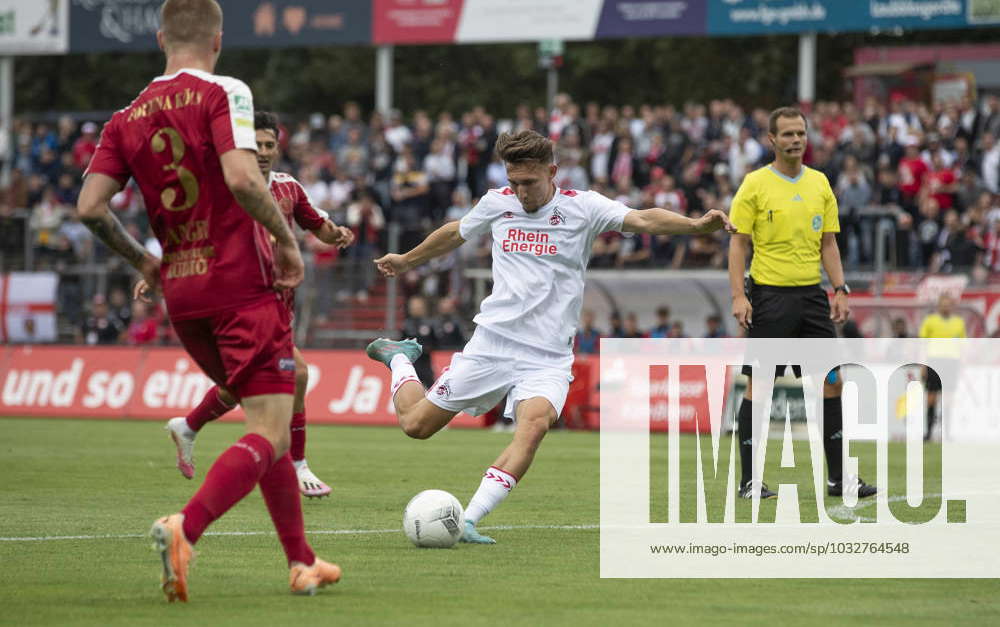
{"x":662,"y":222}
{"x":92,"y":207}
{"x":330,"y":233}
{"x":441,"y":242}
{"x":243,"y":177}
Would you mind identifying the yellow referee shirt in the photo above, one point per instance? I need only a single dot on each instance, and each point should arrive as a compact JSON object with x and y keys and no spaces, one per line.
{"x":935,"y":325}
{"x":786,"y":219}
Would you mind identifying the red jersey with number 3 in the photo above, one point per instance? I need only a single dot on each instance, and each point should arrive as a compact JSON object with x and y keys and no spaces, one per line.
{"x":215,"y":256}
{"x":297,"y":209}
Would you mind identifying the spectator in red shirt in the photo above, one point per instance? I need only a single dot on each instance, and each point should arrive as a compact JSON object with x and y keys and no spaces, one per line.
{"x":912,"y":170}
{"x":991,"y":244}
{"x":941,"y":182}
{"x":85,"y":146}
{"x":143,"y":328}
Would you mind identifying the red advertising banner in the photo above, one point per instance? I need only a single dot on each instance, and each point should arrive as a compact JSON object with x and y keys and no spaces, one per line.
{"x":584,"y":400}
{"x":118,"y":382}
{"x":415,"y":21}
{"x":345,"y":387}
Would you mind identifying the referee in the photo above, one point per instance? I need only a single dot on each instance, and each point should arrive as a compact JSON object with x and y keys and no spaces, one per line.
{"x":788,"y":213}
{"x":941,"y":324}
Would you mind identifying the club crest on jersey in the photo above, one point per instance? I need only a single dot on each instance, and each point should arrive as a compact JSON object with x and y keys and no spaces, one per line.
{"x":443,"y":390}
{"x":508,"y":215}
{"x":556,"y":218}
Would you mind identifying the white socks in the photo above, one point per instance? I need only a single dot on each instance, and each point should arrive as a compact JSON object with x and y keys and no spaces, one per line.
{"x":402,"y":371}
{"x":493,"y":489}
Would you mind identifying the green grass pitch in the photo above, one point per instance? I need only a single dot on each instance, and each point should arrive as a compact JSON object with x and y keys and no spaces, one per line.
{"x":111,"y":479}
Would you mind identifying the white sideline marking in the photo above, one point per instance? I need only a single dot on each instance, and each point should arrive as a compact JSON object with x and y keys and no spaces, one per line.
{"x":842,"y":512}
{"x":318,"y":532}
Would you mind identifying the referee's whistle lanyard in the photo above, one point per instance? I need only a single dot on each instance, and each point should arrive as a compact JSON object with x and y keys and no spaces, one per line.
{"x":770,"y":215}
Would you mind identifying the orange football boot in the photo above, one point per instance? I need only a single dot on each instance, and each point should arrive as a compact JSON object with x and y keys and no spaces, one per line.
{"x":176,"y":553}
{"x":304,"y":579}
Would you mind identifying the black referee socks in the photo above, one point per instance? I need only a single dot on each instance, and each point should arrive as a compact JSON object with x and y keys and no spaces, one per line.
{"x":833,"y":437}
{"x":744,"y":428}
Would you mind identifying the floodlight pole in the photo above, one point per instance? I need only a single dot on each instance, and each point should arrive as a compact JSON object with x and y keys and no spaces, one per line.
{"x":7,"y":112}
{"x":807,"y":70}
{"x":383,"y":78}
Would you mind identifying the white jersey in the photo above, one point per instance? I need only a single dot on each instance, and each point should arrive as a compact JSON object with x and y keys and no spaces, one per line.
{"x":539,"y":262}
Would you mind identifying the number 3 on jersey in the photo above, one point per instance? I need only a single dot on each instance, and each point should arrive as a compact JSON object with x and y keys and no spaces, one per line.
{"x":186,"y":177}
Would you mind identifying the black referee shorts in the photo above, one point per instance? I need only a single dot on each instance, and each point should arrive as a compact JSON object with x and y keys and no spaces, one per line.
{"x":801,"y":311}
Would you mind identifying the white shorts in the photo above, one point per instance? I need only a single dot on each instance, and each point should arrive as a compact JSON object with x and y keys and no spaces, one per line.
{"x":492,"y":366}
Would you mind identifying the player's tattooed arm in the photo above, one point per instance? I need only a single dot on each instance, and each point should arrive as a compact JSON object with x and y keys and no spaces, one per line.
{"x":257,"y":202}
{"x":110,"y":230}
{"x":244,"y":180}
{"x":243,"y":177}
{"x":96,"y":215}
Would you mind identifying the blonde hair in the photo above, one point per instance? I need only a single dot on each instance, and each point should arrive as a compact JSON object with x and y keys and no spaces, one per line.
{"x":524,"y":146}
{"x":186,"y":22}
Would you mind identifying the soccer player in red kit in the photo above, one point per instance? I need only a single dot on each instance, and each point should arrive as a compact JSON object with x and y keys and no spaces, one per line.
{"x":297,"y":209}
{"x":188,"y":141}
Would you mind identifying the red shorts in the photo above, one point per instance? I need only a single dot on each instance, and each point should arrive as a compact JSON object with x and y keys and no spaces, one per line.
{"x":287,"y":298}
{"x":248,"y":351}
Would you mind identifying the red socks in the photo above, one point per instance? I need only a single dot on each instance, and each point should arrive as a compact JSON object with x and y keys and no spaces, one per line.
{"x":298,"y":446}
{"x":231,"y":477}
{"x":210,"y":408}
{"x":280,"y":488}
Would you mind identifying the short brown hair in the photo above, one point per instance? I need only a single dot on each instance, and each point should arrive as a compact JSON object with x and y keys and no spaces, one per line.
{"x":190,"y":21}
{"x":524,"y":146}
{"x":784,"y":112}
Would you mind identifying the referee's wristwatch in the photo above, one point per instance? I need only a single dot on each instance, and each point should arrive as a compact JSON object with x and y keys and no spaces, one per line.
{"x":842,"y":288}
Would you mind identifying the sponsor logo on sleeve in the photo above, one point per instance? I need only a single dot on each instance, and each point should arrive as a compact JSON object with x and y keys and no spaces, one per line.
{"x":242,"y":104}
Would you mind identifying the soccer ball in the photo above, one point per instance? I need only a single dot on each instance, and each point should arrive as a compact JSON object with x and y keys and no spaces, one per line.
{"x":433,"y":519}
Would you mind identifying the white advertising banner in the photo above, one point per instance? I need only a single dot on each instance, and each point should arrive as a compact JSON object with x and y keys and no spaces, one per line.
{"x":527,"y":20}
{"x":34,"y":27}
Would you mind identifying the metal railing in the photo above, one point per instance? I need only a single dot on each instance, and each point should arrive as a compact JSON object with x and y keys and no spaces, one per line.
{"x":314,"y":301}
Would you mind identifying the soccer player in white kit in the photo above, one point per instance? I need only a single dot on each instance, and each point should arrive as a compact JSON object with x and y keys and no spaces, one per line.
{"x":523,"y":344}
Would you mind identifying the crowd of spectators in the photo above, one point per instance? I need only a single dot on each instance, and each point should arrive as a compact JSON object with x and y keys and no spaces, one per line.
{"x":929,"y":176}
{"x":588,"y":336}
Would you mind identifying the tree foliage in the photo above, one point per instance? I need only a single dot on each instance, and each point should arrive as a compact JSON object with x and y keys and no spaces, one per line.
{"x":755,"y":71}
